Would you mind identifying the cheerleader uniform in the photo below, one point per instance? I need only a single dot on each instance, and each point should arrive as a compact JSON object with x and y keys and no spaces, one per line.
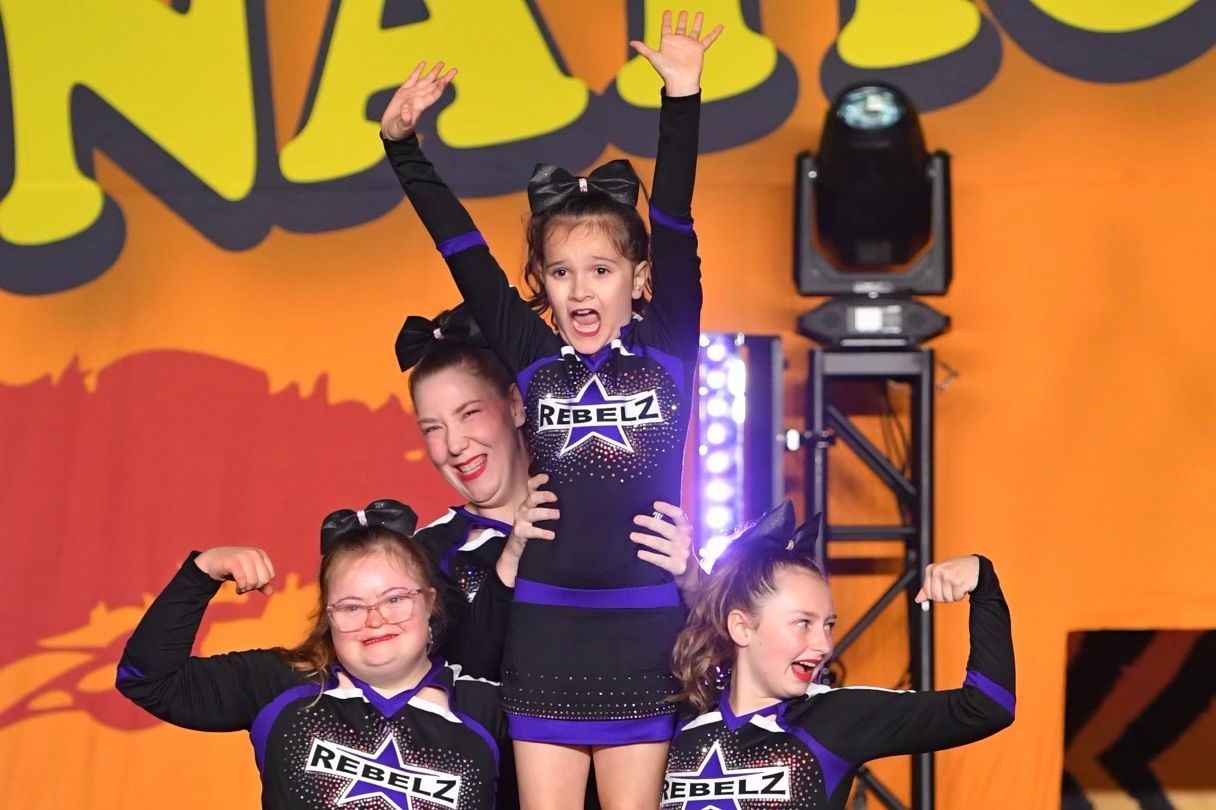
{"x":464,"y":547}
{"x":592,"y":627}
{"x":804,"y":752}
{"x":317,"y":745}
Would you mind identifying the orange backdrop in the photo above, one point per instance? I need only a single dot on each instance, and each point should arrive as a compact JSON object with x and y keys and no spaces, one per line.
{"x":202,"y":271}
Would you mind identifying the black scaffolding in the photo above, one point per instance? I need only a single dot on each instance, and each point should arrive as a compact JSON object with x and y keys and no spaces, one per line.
{"x":828,"y":421}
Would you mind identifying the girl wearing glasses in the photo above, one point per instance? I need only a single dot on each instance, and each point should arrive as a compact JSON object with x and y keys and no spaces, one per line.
{"x":359,"y":709}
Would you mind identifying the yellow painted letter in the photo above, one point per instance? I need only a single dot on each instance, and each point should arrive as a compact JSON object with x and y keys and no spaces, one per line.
{"x":183,"y":79}
{"x":509,"y":87}
{"x":895,"y":33}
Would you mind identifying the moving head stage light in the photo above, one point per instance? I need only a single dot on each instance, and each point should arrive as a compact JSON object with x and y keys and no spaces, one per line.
{"x":872,"y":209}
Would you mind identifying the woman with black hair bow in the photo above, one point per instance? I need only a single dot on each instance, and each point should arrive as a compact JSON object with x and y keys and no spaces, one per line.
{"x":360,"y":708}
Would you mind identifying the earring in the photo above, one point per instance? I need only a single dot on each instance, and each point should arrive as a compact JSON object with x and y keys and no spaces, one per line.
{"x":430,"y":637}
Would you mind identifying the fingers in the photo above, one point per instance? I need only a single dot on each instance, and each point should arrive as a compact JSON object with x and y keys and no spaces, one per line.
{"x":666,"y":22}
{"x":672,"y":511}
{"x":252,"y":571}
{"x":682,"y":23}
{"x":662,"y":561}
{"x":695,"y":31}
{"x":412,"y":79}
{"x":711,"y":36}
{"x":921,"y":596}
{"x":532,"y":511}
{"x":642,"y":49}
{"x":944,"y":582}
{"x":537,"y":481}
{"x":656,"y":525}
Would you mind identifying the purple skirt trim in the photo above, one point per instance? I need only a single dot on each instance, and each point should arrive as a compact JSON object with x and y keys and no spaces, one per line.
{"x":591,"y":732}
{"x":645,"y":596}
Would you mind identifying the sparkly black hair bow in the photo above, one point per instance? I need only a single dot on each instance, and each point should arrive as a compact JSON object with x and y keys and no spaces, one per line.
{"x":419,"y":335}
{"x":551,"y":185}
{"x":387,"y":514}
{"x":775,"y":531}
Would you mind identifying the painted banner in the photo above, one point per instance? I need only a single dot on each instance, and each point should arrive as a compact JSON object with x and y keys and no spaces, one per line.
{"x":204,"y":261}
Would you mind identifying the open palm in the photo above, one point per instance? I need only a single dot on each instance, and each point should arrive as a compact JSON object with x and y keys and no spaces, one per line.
{"x":681,"y":52}
{"x":421,"y":89}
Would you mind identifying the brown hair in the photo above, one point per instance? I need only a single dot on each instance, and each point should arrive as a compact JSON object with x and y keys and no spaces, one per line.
{"x":315,"y":654}
{"x":704,"y":653}
{"x":621,"y":223}
{"x":478,"y":361}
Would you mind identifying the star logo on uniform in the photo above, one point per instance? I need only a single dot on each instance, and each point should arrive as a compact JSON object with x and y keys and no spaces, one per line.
{"x":594,"y":413}
{"x":383,"y":774}
{"x":713,"y":786}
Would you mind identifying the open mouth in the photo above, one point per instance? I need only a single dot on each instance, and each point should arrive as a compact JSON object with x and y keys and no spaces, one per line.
{"x":805,"y":669}
{"x":471,"y":469}
{"x":585,"y":322}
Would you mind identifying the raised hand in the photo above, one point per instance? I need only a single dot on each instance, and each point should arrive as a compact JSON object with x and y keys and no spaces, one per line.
{"x":250,"y":568}
{"x":681,"y":53}
{"x":530,"y":512}
{"x":670,"y":547}
{"x":421,"y":89}
{"x":950,"y":580}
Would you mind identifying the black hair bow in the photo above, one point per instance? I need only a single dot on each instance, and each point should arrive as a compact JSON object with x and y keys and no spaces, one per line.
{"x":775,"y":531}
{"x":551,"y":185}
{"x":386,"y":514}
{"x":419,"y":335}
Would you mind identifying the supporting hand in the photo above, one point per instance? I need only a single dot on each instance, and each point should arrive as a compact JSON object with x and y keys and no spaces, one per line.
{"x":671,"y":549}
{"x":530,"y":512}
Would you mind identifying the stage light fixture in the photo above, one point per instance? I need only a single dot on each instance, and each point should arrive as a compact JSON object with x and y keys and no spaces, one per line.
{"x":872,"y":207}
{"x":859,"y":322}
{"x":737,"y":467}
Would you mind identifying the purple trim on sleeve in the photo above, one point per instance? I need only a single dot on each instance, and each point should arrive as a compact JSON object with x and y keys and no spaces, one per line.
{"x":992,"y":689}
{"x":259,"y":731}
{"x":660,"y":217}
{"x":127,"y":673}
{"x":524,"y":378}
{"x":482,"y":732}
{"x":591,"y":732}
{"x":644,"y":596}
{"x":450,"y":247}
{"x":834,"y":768}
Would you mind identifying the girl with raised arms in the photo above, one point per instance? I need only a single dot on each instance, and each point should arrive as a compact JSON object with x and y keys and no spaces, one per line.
{"x":470,"y":415}
{"x":764,"y":733}
{"x":605,"y":403}
{"x":359,"y":709}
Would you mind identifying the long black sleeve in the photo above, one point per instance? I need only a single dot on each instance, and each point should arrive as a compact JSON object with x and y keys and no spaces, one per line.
{"x":216,"y":693}
{"x":673,"y":316}
{"x":859,"y":724}
{"x":516,"y":333}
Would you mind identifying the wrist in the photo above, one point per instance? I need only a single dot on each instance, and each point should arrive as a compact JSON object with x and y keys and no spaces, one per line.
{"x":395,"y":134}
{"x":679,"y":89}
{"x":202,"y":562}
